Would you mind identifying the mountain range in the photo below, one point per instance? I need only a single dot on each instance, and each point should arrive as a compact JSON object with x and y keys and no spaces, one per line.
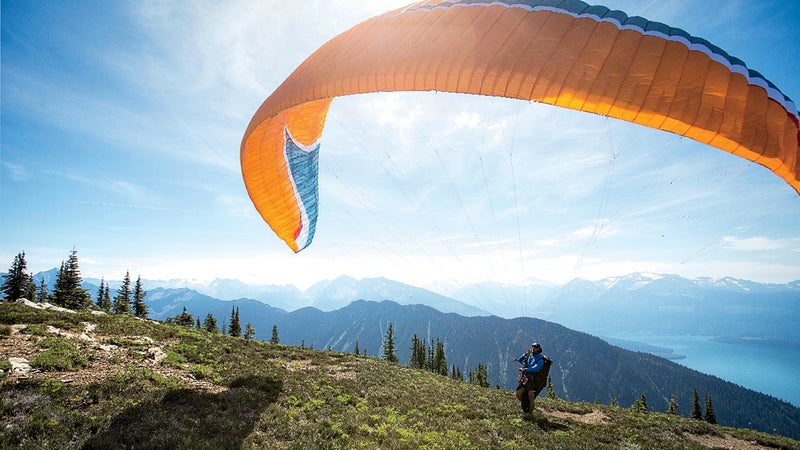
{"x":326,"y":295}
{"x":727,"y":307}
{"x":534,"y":298}
{"x":338,"y":313}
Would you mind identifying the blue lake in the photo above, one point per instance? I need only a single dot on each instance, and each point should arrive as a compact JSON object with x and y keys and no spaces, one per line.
{"x":769,"y":367}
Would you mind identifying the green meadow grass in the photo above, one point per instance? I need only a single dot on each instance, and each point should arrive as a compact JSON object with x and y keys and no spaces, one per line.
{"x":213,"y":391}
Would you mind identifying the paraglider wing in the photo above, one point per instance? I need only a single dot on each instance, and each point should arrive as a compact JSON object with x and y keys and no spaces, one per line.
{"x":563,"y":53}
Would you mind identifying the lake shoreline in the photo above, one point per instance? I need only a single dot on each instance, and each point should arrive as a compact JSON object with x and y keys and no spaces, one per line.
{"x":777,"y":372}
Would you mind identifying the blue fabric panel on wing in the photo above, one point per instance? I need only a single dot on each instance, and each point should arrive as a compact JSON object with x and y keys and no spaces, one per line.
{"x":304,"y":168}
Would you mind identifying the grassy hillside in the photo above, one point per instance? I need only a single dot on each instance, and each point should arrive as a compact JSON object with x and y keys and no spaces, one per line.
{"x":586,"y":368}
{"x":104,"y":381}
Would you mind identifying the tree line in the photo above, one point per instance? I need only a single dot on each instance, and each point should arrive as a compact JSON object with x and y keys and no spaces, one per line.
{"x":210,"y":324}
{"x":640,"y":405}
{"x":431,"y":358}
{"x":18,"y":283}
{"x":68,"y":292}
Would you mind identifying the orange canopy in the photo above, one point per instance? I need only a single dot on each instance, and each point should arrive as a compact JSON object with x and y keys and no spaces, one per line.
{"x":577,"y":56}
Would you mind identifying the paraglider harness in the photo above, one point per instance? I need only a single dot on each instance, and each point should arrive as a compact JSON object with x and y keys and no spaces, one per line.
{"x":536,"y":381}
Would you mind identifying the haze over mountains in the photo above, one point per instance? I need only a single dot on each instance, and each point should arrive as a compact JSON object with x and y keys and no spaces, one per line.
{"x":537,"y":298}
{"x":728,"y":307}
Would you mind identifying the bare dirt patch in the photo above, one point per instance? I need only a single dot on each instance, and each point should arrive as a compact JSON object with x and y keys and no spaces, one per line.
{"x":716,"y":442}
{"x":343,"y":374}
{"x":301,"y":365}
{"x":591,"y":418}
{"x":727,"y":442}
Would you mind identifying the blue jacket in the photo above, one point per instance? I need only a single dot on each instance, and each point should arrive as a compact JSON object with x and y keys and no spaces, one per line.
{"x":532,"y":363}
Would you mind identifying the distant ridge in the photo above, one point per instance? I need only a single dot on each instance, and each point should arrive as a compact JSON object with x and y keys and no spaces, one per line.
{"x":533,"y":298}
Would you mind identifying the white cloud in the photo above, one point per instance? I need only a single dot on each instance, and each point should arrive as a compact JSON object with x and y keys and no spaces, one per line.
{"x":752,"y":244}
{"x":600,"y":229}
{"x":135,"y":194}
{"x":17,"y":172}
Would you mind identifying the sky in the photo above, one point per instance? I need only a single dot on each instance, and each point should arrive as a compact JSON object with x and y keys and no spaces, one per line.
{"x":122,"y":122}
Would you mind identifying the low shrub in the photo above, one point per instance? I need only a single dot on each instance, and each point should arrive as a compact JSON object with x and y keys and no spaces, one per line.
{"x":60,"y":355}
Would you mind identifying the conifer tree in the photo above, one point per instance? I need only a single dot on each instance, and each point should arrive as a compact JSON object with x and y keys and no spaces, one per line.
{"x":122,"y":301}
{"x":388,"y":346}
{"x":17,"y":281}
{"x":79,"y":298}
{"x":238,"y":324}
{"x":139,"y":306}
{"x":68,"y":291}
{"x":59,"y":285}
{"x":412,"y":358}
{"x":439,"y":359}
{"x":424,"y":356}
{"x":456,"y":374}
{"x":183,"y":319}
{"x":100,"y":291}
{"x":640,"y":404}
{"x":480,"y":376}
{"x":103,"y":296}
{"x":429,"y":358}
{"x":197,"y":324}
{"x":107,"y":298}
{"x":710,"y":416}
{"x":551,"y":392}
{"x":613,"y":401}
{"x":275,"y":339}
{"x":417,"y":358}
{"x":210,"y":324}
{"x":696,"y":413}
{"x":249,"y":332}
{"x":30,"y":294}
{"x":235,"y":329}
{"x":43,"y":294}
{"x":673,"y":406}
{"x":355,"y":349}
